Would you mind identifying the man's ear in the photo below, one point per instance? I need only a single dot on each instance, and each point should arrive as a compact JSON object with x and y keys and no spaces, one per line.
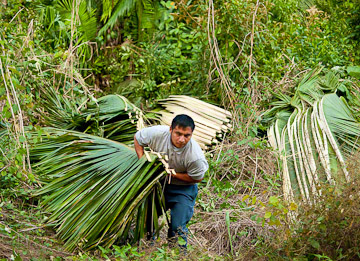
{"x":170,"y":129}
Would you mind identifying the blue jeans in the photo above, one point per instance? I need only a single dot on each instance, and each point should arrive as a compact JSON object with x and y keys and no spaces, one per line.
{"x":180,"y":199}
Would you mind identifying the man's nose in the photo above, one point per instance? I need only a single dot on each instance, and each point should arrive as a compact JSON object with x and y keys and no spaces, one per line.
{"x":182,"y":139}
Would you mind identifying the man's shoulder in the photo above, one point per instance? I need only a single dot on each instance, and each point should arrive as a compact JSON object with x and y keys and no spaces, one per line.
{"x":194,"y":151}
{"x":152,"y":135}
{"x":157,"y":129}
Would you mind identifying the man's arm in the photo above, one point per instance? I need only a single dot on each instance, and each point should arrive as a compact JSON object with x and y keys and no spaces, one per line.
{"x":185,"y":177}
{"x":138,"y":148}
{"x":195,"y":171}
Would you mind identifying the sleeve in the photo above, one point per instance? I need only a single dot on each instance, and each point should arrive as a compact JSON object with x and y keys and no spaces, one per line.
{"x":150,"y":136}
{"x":143,"y":137}
{"x":197,"y":169}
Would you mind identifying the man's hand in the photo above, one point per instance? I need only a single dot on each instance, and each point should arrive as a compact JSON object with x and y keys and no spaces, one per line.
{"x":138,"y":148}
{"x":185,"y":177}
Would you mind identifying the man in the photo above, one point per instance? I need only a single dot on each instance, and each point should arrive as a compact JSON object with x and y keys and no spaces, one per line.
{"x":188,"y":161}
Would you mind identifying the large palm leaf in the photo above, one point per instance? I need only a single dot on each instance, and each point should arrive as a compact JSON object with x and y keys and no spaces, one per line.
{"x":99,"y":192}
{"x":111,"y":116}
{"x":58,"y":17}
{"x":314,"y":133}
{"x":113,"y":11}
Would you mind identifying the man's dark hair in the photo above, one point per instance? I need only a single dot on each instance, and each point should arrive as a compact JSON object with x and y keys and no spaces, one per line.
{"x":183,"y":121}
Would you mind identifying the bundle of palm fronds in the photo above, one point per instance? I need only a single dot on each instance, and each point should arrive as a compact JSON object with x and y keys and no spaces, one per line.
{"x":99,"y":192}
{"x":314,"y":132}
{"x":211,"y":121}
{"x":111,"y":116}
{"x":116,"y":116}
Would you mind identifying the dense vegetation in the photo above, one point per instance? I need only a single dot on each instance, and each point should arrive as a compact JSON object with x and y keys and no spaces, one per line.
{"x":238,"y":54}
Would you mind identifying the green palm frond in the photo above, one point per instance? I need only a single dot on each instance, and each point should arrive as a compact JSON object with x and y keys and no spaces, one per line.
{"x":118,"y":117}
{"x":122,"y":8}
{"x":56,"y":17}
{"x":112,"y":116}
{"x":59,"y":111}
{"x":342,"y":123}
{"x":146,"y":14}
{"x":88,"y":22}
{"x":314,"y":140}
{"x":107,"y":8}
{"x":98,"y":192}
{"x":308,"y":90}
{"x":113,"y":11}
{"x":86,"y":31}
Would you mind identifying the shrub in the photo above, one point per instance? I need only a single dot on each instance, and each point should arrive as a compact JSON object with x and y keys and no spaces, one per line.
{"x":328,"y":228}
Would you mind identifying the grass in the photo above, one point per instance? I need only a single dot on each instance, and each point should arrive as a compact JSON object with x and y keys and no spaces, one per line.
{"x":23,"y":232}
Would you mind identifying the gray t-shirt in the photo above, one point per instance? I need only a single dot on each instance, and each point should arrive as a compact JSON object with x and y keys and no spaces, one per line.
{"x":190,"y":159}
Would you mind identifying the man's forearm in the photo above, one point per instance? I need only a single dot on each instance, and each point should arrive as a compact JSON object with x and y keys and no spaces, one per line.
{"x":185,"y":177}
{"x":138,"y":148}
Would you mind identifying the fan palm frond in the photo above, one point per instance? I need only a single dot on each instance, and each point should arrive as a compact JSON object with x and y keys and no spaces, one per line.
{"x":112,"y":116}
{"x":59,"y":111}
{"x":98,"y":192}
{"x":315,"y":140}
{"x":118,"y":118}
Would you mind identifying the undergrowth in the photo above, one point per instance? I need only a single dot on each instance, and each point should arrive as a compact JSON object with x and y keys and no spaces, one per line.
{"x":327,"y":229}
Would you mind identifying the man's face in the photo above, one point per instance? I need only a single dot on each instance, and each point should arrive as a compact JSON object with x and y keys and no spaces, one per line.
{"x":180,"y":136}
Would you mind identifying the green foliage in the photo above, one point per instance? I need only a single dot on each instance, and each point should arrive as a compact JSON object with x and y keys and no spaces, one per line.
{"x":12,"y":159}
{"x":15,"y":100}
{"x":354,"y":71}
{"x":283,"y":34}
{"x":277,"y":210}
{"x":113,"y":12}
{"x":347,"y":12}
{"x":309,"y":37}
{"x":66,"y":21}
{"x":327,"y":229}
{"x":171,"y":63}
